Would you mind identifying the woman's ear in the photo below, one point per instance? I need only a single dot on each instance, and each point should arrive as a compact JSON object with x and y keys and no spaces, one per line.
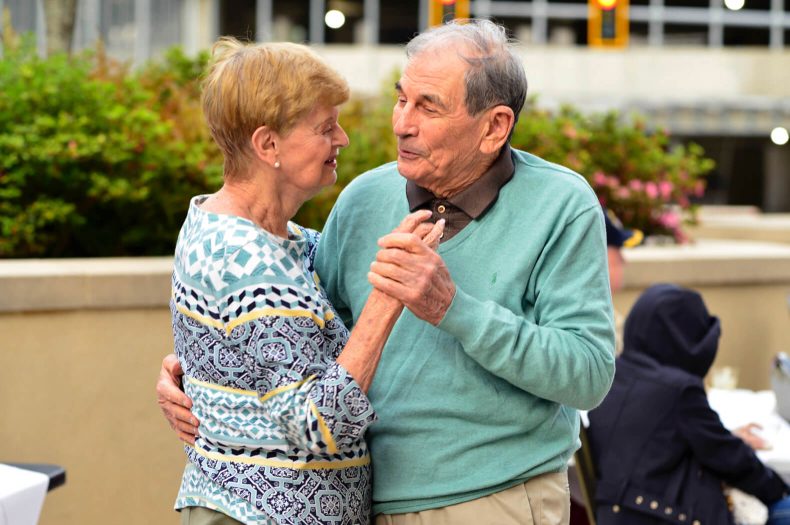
{"x":500,"y":121}
{"x":264,"y":145}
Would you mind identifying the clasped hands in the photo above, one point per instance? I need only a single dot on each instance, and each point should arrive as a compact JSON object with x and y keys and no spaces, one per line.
{"x":408,"y":268}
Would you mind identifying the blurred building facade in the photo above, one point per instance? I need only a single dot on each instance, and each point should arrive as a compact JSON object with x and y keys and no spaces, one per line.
{"x":706,"y":71}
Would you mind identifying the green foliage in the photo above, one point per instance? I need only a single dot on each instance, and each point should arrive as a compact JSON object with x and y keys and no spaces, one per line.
{"x":94,"y":161}
{"x":635,"y":173}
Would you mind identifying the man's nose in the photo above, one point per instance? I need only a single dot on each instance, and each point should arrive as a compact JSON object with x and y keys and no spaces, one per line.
{"x":404,"y":123}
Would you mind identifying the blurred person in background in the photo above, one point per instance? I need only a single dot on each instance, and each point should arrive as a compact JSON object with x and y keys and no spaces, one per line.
{"x":618,"y":238}
{"x":661,"y":452}
{"x":278,"y":383}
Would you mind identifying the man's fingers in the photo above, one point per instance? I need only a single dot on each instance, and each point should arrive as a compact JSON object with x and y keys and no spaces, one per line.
{"x":405,"y":241}
{"x":412,"y":220}
{"x":394,"y":256}
{"x":186,"y":437}
{"x":167,"y":390}
{"x":388,"y":286}
{"x":172,"y":366}
{"x":423,"y":229}
{"x":185,"y":428}
{"x":433,"y":236}
{"x":390,"y":271}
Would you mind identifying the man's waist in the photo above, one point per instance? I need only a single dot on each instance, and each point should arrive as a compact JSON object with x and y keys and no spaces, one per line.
{"x":410,"y":477}
{"x":400,"y":506}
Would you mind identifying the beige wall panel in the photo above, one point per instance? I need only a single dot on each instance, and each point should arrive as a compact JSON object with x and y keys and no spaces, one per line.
{"x":77,"y":389}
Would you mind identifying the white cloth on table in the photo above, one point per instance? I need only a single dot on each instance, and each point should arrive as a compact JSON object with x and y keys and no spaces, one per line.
{"x":21,"y":495}
{"x":740,"y":407}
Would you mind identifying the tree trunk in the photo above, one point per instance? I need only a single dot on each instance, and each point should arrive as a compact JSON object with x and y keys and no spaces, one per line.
{"x":60,"y":16}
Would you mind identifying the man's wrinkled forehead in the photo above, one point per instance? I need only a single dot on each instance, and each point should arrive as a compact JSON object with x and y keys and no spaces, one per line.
{"x":436,"y":65}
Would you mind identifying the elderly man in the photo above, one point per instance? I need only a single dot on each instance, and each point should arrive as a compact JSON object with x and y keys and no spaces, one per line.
{"x":509,"y":328}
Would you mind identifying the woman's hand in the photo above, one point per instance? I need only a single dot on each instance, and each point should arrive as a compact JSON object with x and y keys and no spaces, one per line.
{"x":417,"y":224}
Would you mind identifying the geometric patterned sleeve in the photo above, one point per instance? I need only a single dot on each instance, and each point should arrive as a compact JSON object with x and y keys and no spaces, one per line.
{"x":289,"y":340}
{"x":326,"y":413}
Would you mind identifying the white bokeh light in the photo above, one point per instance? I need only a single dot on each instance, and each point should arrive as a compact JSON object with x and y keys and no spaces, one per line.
{"x":780,"y":136}
{"x":734,"y":5}
{"x":335,"y":19}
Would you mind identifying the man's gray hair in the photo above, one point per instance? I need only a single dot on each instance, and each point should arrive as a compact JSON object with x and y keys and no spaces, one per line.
{"x":495,"y":75}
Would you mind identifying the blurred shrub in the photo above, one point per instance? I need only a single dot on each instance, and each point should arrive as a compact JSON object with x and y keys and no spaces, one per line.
{"x":96,"y":160}
{"x":635,"y":173}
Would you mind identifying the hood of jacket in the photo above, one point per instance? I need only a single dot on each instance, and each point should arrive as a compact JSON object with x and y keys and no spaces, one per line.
{"x":671,"y":324}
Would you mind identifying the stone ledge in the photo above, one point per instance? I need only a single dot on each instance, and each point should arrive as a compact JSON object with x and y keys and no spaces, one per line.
{"x":709,"y":262}
{"x":78,"y":284}
{"x":144,"y":282}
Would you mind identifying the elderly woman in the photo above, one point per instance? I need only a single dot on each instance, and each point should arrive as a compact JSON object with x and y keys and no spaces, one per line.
{"x":276,"y":380}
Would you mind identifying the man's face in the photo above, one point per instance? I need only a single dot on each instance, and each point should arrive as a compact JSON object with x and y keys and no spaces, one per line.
{"x":438,"y":141}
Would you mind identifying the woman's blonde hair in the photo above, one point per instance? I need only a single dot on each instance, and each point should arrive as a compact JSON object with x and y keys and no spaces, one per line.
{"x":273,"y":84}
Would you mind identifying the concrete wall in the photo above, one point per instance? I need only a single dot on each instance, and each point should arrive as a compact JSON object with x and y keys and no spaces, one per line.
{"x":82,"y":342}
{"x":612,"y":78}
{"x":81,"y":346}
{"x":742,"y":222}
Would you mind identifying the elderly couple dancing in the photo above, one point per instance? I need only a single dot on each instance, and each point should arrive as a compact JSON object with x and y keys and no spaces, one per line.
{"x":422,"y":359}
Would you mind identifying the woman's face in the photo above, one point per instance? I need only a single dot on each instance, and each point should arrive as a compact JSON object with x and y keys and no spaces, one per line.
{"x":308,"y":153}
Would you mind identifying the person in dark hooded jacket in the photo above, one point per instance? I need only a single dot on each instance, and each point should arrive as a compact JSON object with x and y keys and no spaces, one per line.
{"x":661,"y":452}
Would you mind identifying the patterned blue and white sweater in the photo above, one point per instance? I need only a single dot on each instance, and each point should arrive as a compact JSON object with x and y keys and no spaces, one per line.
{"x":282,"y":425}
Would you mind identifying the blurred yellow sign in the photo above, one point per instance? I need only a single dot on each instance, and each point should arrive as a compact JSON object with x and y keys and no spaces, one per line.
{"x":607,"y":23}
{"x":441,"y":11}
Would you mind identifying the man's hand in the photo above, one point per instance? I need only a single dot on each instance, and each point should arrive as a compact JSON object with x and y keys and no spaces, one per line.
{"x":410,"y":271}
{"x":174,"y":402}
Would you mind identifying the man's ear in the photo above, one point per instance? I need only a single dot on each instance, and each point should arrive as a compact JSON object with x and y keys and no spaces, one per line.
{"x":499,"y":121}
{"x":264,"y":145}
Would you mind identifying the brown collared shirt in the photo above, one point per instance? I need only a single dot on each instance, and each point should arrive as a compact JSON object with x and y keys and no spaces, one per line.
{"x":470,"y":204}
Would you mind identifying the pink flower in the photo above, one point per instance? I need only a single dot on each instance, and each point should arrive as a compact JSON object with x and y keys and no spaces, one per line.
{"x":599,"y":179}
{"x":670,"y":220}
{"x":636,"y":185}
{"x":623,"y":193}
{"x":699,"y":188}
{"x":613,"y":182}
{"x":569,"y":131}
{"x":651,"y":190}
{"x":665,"y":188}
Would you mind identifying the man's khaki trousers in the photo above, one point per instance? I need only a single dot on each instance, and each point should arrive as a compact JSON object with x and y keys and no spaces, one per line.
{"x":544,"y":500}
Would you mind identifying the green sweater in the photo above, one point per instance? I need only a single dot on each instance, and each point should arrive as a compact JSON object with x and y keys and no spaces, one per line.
{"x":488,"y":398}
